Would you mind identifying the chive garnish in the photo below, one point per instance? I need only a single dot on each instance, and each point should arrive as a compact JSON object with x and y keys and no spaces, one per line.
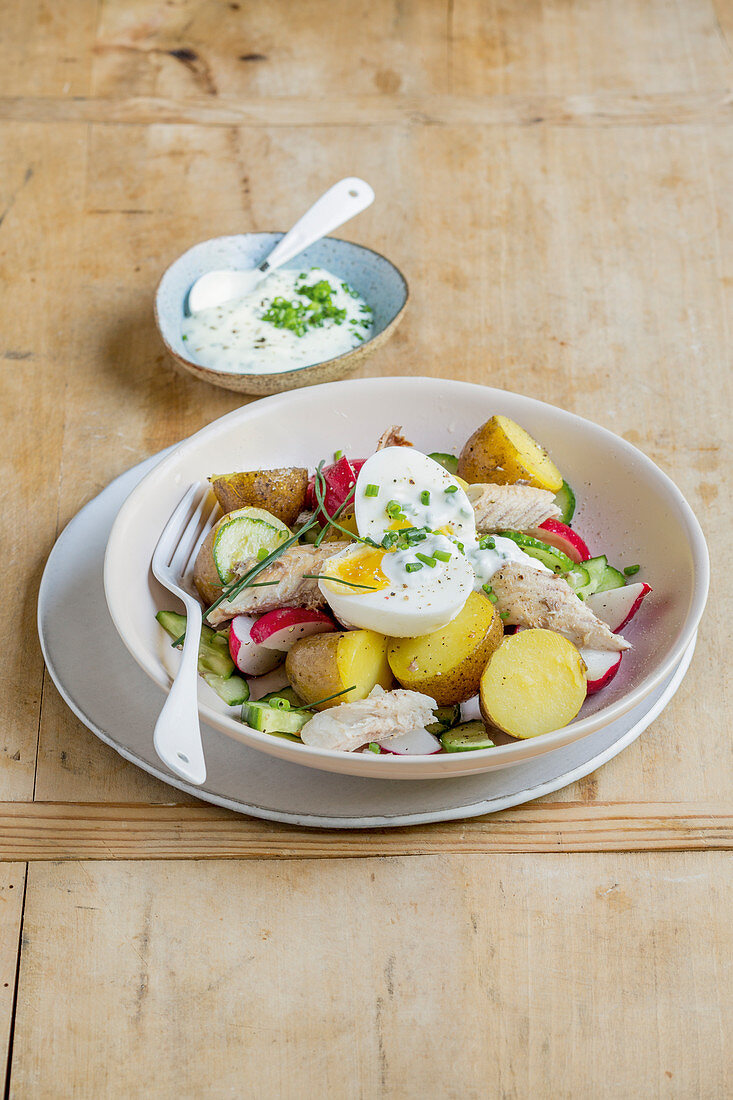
{"x":451,"y":489}
{"x":503,"y":614}
{"x":344,"y":691}
{"x":412,"y":566}
{"x":490,"y":593}
{"x":338,"y":580}
{"x":371,"y":491}
{"x":441,"y":555}
{"x":393,"y":509}
{"x":426,"y":559}
{"x":487,"y":543}
{"x":630,"y":570}
{"x":337,"y":455}
{"x":425,"y":496}
{"x":373,"y":747}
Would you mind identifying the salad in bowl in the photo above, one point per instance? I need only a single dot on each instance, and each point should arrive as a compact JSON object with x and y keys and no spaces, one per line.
{"x":408,"y":602}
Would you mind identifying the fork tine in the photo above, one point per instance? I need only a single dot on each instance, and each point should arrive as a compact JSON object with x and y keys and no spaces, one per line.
{"x":208,"y":524}
{"x":187,"y":538}
{"x":169,"y":534}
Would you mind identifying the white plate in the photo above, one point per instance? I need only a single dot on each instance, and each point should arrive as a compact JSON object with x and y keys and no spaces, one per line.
{"x":627,"y":508}
{"x":111,"y":695}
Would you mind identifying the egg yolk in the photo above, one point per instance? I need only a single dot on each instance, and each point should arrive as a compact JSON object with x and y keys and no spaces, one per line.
{"x":364,"y":568}
{"x":399,"y":525}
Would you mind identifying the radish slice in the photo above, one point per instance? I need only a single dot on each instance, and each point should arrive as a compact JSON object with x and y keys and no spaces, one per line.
{"x":264,"y":685}
{"x":601,"y":667}
{"x":281,"y":629}
{"x":470,"y":710}
{"x":249,"y":657}
{"x":563,"y":538}
{"x":417,"y":742}
{"x":618,"y":605}
{"x":340,"y":479}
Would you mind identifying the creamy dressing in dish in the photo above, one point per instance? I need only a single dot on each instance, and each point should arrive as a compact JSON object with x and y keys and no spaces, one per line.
{"x":296,"y":318}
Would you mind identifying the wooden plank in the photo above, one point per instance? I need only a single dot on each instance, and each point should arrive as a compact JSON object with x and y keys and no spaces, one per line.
{"x":60,"y":830}
{"x":601,"y":111}
{"x":453,"y":976}
{"x":12,"y":891}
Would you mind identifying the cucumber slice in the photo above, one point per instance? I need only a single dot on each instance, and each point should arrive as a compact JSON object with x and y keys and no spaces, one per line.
{"x":445,"y":717}
{"x":579,"y":580}
{"x":448,"y":462}
{"x":233,"y":690}
{"x":243,"y":536}
{"x":565,"y":500}
{"x":466,"y":737}
{"x":213,"y":648}
{"x":268,"y":719}
{"x":611,"y":578}
{"x":602,"y":575}
{"x":549,"y":555}
{"x":286,"y":693}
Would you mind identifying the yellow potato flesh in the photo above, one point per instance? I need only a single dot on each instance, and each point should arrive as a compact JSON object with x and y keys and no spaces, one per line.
{"x":501,"y":452}
{"x":533,"y":684}
{"x":324,"y":664}
{"x":447,"y":664}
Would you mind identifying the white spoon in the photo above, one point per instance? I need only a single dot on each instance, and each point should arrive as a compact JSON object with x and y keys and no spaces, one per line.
{"x":342,"y":201}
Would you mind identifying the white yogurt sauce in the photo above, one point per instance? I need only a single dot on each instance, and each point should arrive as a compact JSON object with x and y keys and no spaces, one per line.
{"x":487,"y":562}
{"x":234,"y":337}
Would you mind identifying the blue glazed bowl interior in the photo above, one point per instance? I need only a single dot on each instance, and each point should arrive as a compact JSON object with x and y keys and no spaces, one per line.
{"x":377,"y":280}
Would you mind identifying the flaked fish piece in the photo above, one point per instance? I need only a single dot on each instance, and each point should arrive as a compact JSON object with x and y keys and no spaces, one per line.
{"x":382,"y":715}
{"x":392,"y":437}
{"x":531,"y":598}
{"x":511,"y":507}
{"x":293,"y":589}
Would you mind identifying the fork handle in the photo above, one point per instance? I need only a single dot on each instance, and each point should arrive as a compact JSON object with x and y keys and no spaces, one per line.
{"x":177,"y":736}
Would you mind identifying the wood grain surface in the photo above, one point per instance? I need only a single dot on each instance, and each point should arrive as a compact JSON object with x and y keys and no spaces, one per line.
{"x":555,"y":178}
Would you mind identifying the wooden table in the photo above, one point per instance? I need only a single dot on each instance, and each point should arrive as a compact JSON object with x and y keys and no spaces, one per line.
{"x":555,"y":179}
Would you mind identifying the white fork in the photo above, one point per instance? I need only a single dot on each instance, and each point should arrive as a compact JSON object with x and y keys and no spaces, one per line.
{"x":177,"y":736}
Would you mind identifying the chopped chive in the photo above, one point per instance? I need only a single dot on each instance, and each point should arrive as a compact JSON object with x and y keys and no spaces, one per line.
{"x":373,"y":747}
{"x":425,"y":496}
{"x":427,"y":559}
{"x":451,"y":489}
{"x":389,"y":539}
{"x":630,"y":570}
{"x":393,"y":509}
{"x":503,"y":614}
{"x":338,"y":580}
{"x":441,"y":555}
{"x":461,"y":547}
{"x":344,"y":691}
{"x":371,"y":491}
{"x":278,"y":703}
{"x":337,"y":455}
{"x":262,"y":553}
{"x":490,"y":593}
{"x":487,"y":543}
{"x":412,"y":566}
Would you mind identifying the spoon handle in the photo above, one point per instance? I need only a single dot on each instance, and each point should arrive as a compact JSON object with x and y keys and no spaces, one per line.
{"x":342,"y":201}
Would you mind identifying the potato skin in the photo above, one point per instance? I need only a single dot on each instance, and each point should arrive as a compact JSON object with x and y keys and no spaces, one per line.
{"x":449,"y":662}
{"x":327,"y":663}
{"x":502,"y":453}
{"x":281,"y":492}
{"x":533,"y":684}
{"x":205,"y":574}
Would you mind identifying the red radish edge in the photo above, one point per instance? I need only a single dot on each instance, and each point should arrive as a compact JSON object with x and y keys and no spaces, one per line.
{"x":619,"y":605}
{"x":250,"y":658}
{"x":562,"y":537}
{"x":282,"y":628}
{"x":340,"y":477}
{"x":601,"y":667}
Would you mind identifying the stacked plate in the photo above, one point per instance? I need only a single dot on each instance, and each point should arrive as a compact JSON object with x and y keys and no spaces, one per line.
{"x":627,"y":507}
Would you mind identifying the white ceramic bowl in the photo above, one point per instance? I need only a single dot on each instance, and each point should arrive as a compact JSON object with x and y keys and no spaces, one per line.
{"x":627,"y":508}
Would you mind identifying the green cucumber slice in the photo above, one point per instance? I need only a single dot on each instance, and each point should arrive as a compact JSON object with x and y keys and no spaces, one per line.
{"x":611,"y":578}
{"x":565,"y":500}
{"x":466,"y":737}
{"x":245,"y":533}
{"x":286,"y":693}
{"x":603,"y":576}
{"x":213,"y":649}
{"x":268,"y":719}
{"x":445,"y":718}
{"x":579,"y":580}
{"x":234,"y":690}
{"x":448,"y":462}
{"x":549,"y":555}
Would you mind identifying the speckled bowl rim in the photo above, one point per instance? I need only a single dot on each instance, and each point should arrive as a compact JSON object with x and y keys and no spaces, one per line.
{"x":208,"y":374}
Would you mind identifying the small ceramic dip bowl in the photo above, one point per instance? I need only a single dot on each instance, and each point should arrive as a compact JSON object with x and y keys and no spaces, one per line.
{"x":377,"y":280}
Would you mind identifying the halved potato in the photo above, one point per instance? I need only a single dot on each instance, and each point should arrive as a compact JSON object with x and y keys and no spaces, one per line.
{"x":447,"y":664}
{"x":236,"y":537}
{"x":281,"y":492}
{"x":325,"y":664}
{"x":502,"y":452}
{"x":534,"y":683}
